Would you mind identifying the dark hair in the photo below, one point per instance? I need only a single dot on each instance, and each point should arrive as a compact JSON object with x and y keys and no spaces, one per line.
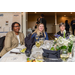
{"x":66,"y":21}
{"x":42,"y":15}
{"x":14,"y":24}
{"x":61,"y":24}
{"x":38,"y":18}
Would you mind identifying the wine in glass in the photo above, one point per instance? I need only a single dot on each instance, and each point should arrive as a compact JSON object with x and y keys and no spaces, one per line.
{"x":38,"y":44}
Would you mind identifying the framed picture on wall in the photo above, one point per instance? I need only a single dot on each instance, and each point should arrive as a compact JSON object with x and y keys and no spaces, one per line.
{"x":6,"y":22}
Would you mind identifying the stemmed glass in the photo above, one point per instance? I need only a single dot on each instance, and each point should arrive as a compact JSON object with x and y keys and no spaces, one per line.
{"x":41,"y":40}
{"x":37,"y":43}
{"x":37,"y":38}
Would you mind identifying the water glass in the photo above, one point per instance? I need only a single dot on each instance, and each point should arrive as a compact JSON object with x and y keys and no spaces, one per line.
{"x":48,"y":46}
{"x":37,"y":38}
{"x":41,"y":40}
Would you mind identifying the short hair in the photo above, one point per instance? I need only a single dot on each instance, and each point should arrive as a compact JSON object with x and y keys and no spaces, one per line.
{"x":14,"y":24}
{"x":42,"y":15}
{"x":61,"y":24}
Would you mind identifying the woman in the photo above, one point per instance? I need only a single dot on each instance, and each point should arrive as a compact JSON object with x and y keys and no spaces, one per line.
{"x":13,"y":39}
{"x":67,"y":25}
{"x":62,"y":28}
{"x":38,"y":21}
{"x":40,"y":32}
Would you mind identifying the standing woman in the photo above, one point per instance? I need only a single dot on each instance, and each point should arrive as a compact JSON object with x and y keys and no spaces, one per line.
{"x":38,"y":21}
{"x":13,"y":39}
{"x":40,"y":31}
{"x":67,"y":25}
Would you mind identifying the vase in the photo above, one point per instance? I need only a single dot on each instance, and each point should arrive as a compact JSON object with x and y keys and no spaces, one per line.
{"x":64,"y":51}
{"x":64,"y":54}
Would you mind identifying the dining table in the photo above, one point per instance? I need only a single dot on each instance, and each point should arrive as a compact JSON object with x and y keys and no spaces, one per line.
{"x":15,"y":55}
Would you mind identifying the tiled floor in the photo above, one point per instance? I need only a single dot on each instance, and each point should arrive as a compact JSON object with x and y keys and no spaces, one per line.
{"x":51,"y":36}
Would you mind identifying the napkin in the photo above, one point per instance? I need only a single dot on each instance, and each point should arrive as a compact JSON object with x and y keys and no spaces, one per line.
{"x":51,"y":54}
{"x":15,"y":50}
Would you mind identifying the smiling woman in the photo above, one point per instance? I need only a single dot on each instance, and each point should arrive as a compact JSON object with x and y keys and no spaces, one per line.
{"x":13,"y":39}
{"x":40,"y":31}
{"x":16,"y":27}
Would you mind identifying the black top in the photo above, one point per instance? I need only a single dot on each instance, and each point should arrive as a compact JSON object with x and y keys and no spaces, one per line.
{"x":36,"y":25}
{"x":37,"y":22}
{"x":42,"y":20}
{"x":67,"y":25}
{"x":67,"y":33}
{"x":73,"y":21}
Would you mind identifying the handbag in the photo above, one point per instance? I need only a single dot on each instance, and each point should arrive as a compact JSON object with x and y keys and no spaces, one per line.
{"x":51,"y":54}
{"x":29,"y":42}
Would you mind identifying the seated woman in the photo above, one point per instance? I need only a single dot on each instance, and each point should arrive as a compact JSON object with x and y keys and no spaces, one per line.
{"x":40,"y":32}
{"x":13,"y":39}
{"x":62,"y":28}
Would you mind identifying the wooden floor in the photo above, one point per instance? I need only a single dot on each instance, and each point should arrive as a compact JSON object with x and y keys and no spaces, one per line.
{"x":51,"y":36}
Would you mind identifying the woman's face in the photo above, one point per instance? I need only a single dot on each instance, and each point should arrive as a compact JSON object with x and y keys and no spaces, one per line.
{"x":62,"y":28}
{"x":41,"y":27}
{"x":16,"y":28}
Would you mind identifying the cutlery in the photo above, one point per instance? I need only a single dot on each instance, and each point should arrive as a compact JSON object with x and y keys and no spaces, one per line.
{"x":15,"y":52}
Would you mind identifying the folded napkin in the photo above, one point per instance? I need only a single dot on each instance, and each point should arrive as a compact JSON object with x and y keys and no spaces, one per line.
{"x":51,"y":54}
{"x":15,"y":50}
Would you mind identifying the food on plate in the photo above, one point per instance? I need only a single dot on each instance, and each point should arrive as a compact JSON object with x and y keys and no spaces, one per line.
{"x":23,"y":50}
{"x":33,"y":60}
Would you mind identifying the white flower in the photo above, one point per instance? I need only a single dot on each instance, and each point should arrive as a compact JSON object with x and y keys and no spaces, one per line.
{"x":71,"y":37}
{"x":56,"y":39}
{"x":62,"y":41}
{"x":64,"y":31}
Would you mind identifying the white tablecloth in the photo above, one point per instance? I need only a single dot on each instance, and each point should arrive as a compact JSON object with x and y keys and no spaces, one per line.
{"x":11,"y":57}
{"x":22,"y":57}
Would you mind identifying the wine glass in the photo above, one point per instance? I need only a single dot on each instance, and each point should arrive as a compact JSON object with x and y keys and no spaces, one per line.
{"x":37,"y":38}
{"x":37,"y":43}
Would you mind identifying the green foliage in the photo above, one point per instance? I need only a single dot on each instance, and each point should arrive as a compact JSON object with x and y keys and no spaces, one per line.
{"x":52,"y":49}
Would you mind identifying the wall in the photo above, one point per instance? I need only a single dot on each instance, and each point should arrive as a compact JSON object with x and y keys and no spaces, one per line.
{"x":32,"y":18}
{"x":62,"y":19}
{"x":50,"y":22}
{"x":10,"y":17}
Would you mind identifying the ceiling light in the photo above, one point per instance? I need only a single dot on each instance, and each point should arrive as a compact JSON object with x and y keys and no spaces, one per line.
{"x":64,"y":15}
{"x":35,"y":12}
{"x":71,"y":12}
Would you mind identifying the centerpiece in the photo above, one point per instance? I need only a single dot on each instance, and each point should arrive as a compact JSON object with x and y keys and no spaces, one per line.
{"x":64,"y":44}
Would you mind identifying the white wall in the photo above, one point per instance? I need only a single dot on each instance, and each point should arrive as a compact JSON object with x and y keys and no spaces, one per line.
{"x":9,"y":16}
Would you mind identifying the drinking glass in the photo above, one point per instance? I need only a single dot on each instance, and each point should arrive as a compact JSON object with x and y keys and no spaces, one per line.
{"x":48,"y":46}
{"x":41,"y":40}
{"x":37,"y":38}
{"x":37,"y":43}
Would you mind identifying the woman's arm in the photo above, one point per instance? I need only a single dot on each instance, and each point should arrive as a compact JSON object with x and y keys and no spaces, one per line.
{"x":8,"y":39}
{"x":46,"y":36}
{"x":33,"y":35}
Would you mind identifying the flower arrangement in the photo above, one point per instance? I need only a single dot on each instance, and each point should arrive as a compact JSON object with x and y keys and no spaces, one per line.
{"x":63,"y":42}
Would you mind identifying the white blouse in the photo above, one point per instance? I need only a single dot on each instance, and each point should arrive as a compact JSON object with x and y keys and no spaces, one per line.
{"x":18,"y":40}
